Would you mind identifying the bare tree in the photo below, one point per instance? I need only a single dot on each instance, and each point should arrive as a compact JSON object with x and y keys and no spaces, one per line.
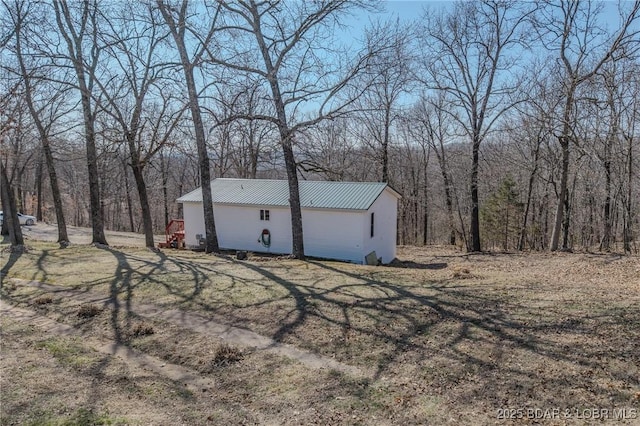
{"x":469,"y":58}
{"x":389,"y":78}
{"x":8,"y":129}
{"x":133,"y":39}
{"x":283,"y":45}
{"x":628,"y":129}
{"x":608,"y":77}
{"x":78,"y":26}
{"x":184,"y":35}
{"x":530,"y":131}
{"x":10,"y":216}
{"x":570,"y":29}
{"x":330,"y":151}
{"x":412,"y":178}
{"x":431,"y":121}
{"x":19,"y":13}
{"x":240,"y":138}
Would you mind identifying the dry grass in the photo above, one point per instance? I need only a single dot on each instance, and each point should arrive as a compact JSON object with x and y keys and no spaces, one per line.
{"x":88,"y":311}
{"x":43,"y":300}
{"x":443,"y":337}
{"x":226,"y":355}
{"x":143,"y":329}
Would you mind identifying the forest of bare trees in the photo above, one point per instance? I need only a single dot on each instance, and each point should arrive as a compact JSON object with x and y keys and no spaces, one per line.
{"x":505,"y":125}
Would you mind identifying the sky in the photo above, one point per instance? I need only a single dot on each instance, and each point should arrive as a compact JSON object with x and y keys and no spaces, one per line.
{"x":412,"y":9}
{"x":405,"y":10}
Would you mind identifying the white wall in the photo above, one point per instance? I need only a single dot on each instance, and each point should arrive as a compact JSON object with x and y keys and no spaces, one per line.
{"x":193,"y":214}
{"x":385,"y":210}
{"x":333,"y":234}
{"x":330,"y":234}
{"x":240,"y":227}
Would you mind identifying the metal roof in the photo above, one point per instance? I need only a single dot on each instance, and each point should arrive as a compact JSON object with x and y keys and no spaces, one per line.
{"x":313,"y":194}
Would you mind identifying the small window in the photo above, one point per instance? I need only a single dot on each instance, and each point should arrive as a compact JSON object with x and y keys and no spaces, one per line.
{"x":372,"y":222}
{"x":264,"y":214}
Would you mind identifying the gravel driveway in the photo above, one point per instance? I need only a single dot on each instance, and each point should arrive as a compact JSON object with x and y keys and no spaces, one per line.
{"x":77,"y":235}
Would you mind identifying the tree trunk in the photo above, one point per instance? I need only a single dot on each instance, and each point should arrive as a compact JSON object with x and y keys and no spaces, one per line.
{"x":42,"y":132}
{"x":416,"y":222}
{"x":568,"y":202}
{"x":605,"y":243}
{"x":127,"y":191}
{"x":385,"y":145}
{"x":9,"y":207}
{"x":505,"y":241}
{"x":63,"y":237}
{"x":588,"y":236}
{"x":137,"y":167}
{"x":628,"y":210}
{"x":254,"y":152}
{"x":440,"y":154}
{"x":97,"y":220}
{"x":165,"y":192}
{"x":475,"y":210}
{"x":425,"y":231}
{"x":543,"y":218}
{"x":286,"y":140}
{"x":147,"y":222}
{"x":203,"y":156}
{"x":74,"y":43}
{"x":565,"y":224}
{"x":523,"y":230}
{"x":294,"y":195}
{"x":563,"y":196}
{"x":460,"y":218}
{"x":449,"y":204}
{"x":39,"y":173}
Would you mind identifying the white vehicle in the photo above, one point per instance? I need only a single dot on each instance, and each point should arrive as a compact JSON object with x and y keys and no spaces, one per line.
{"x":24,"y":219}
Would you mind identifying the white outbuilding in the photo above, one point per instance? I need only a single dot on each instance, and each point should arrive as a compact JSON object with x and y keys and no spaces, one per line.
{"x":340,"y":220}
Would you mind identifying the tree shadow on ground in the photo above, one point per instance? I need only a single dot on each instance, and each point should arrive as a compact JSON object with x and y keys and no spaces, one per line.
{"x":132,"y":271}
{"x":490,"y":345}
{"x":126,"y":278}
{"x":13,"y":258}
{"x":121,"y":289}
{"x":417,"y":265}
{"x":478,"y":333}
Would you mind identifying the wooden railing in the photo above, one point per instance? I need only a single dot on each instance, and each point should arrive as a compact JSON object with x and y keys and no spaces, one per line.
{"x":174,"y":233}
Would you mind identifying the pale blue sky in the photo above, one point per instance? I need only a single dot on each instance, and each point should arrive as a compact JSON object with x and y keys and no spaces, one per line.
{"x":405,"y":10}
{"x":413,"y":9}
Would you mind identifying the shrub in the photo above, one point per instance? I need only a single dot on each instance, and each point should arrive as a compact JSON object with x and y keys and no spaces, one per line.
{"x":88,"y":311}
{"x":226,"y":355}
{"x":142,"y":329}
{"x":43,"y":300}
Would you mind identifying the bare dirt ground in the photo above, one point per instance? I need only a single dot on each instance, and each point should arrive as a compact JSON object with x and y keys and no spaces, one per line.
{"x":439,"y":338}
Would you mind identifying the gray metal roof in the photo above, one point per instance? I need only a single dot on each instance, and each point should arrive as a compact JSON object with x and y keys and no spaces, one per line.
{"x":313,"y":194}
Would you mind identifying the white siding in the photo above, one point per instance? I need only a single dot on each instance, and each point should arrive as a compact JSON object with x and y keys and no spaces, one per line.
{"x":193,"y":222}
{"x":333,"y":234}
{"x":385,"y":210}
{"x":240,"y":227}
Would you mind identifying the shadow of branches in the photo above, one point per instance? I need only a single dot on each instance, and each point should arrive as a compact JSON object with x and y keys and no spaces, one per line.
{"x":501,"y":343}
{"x":450,"y":332}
